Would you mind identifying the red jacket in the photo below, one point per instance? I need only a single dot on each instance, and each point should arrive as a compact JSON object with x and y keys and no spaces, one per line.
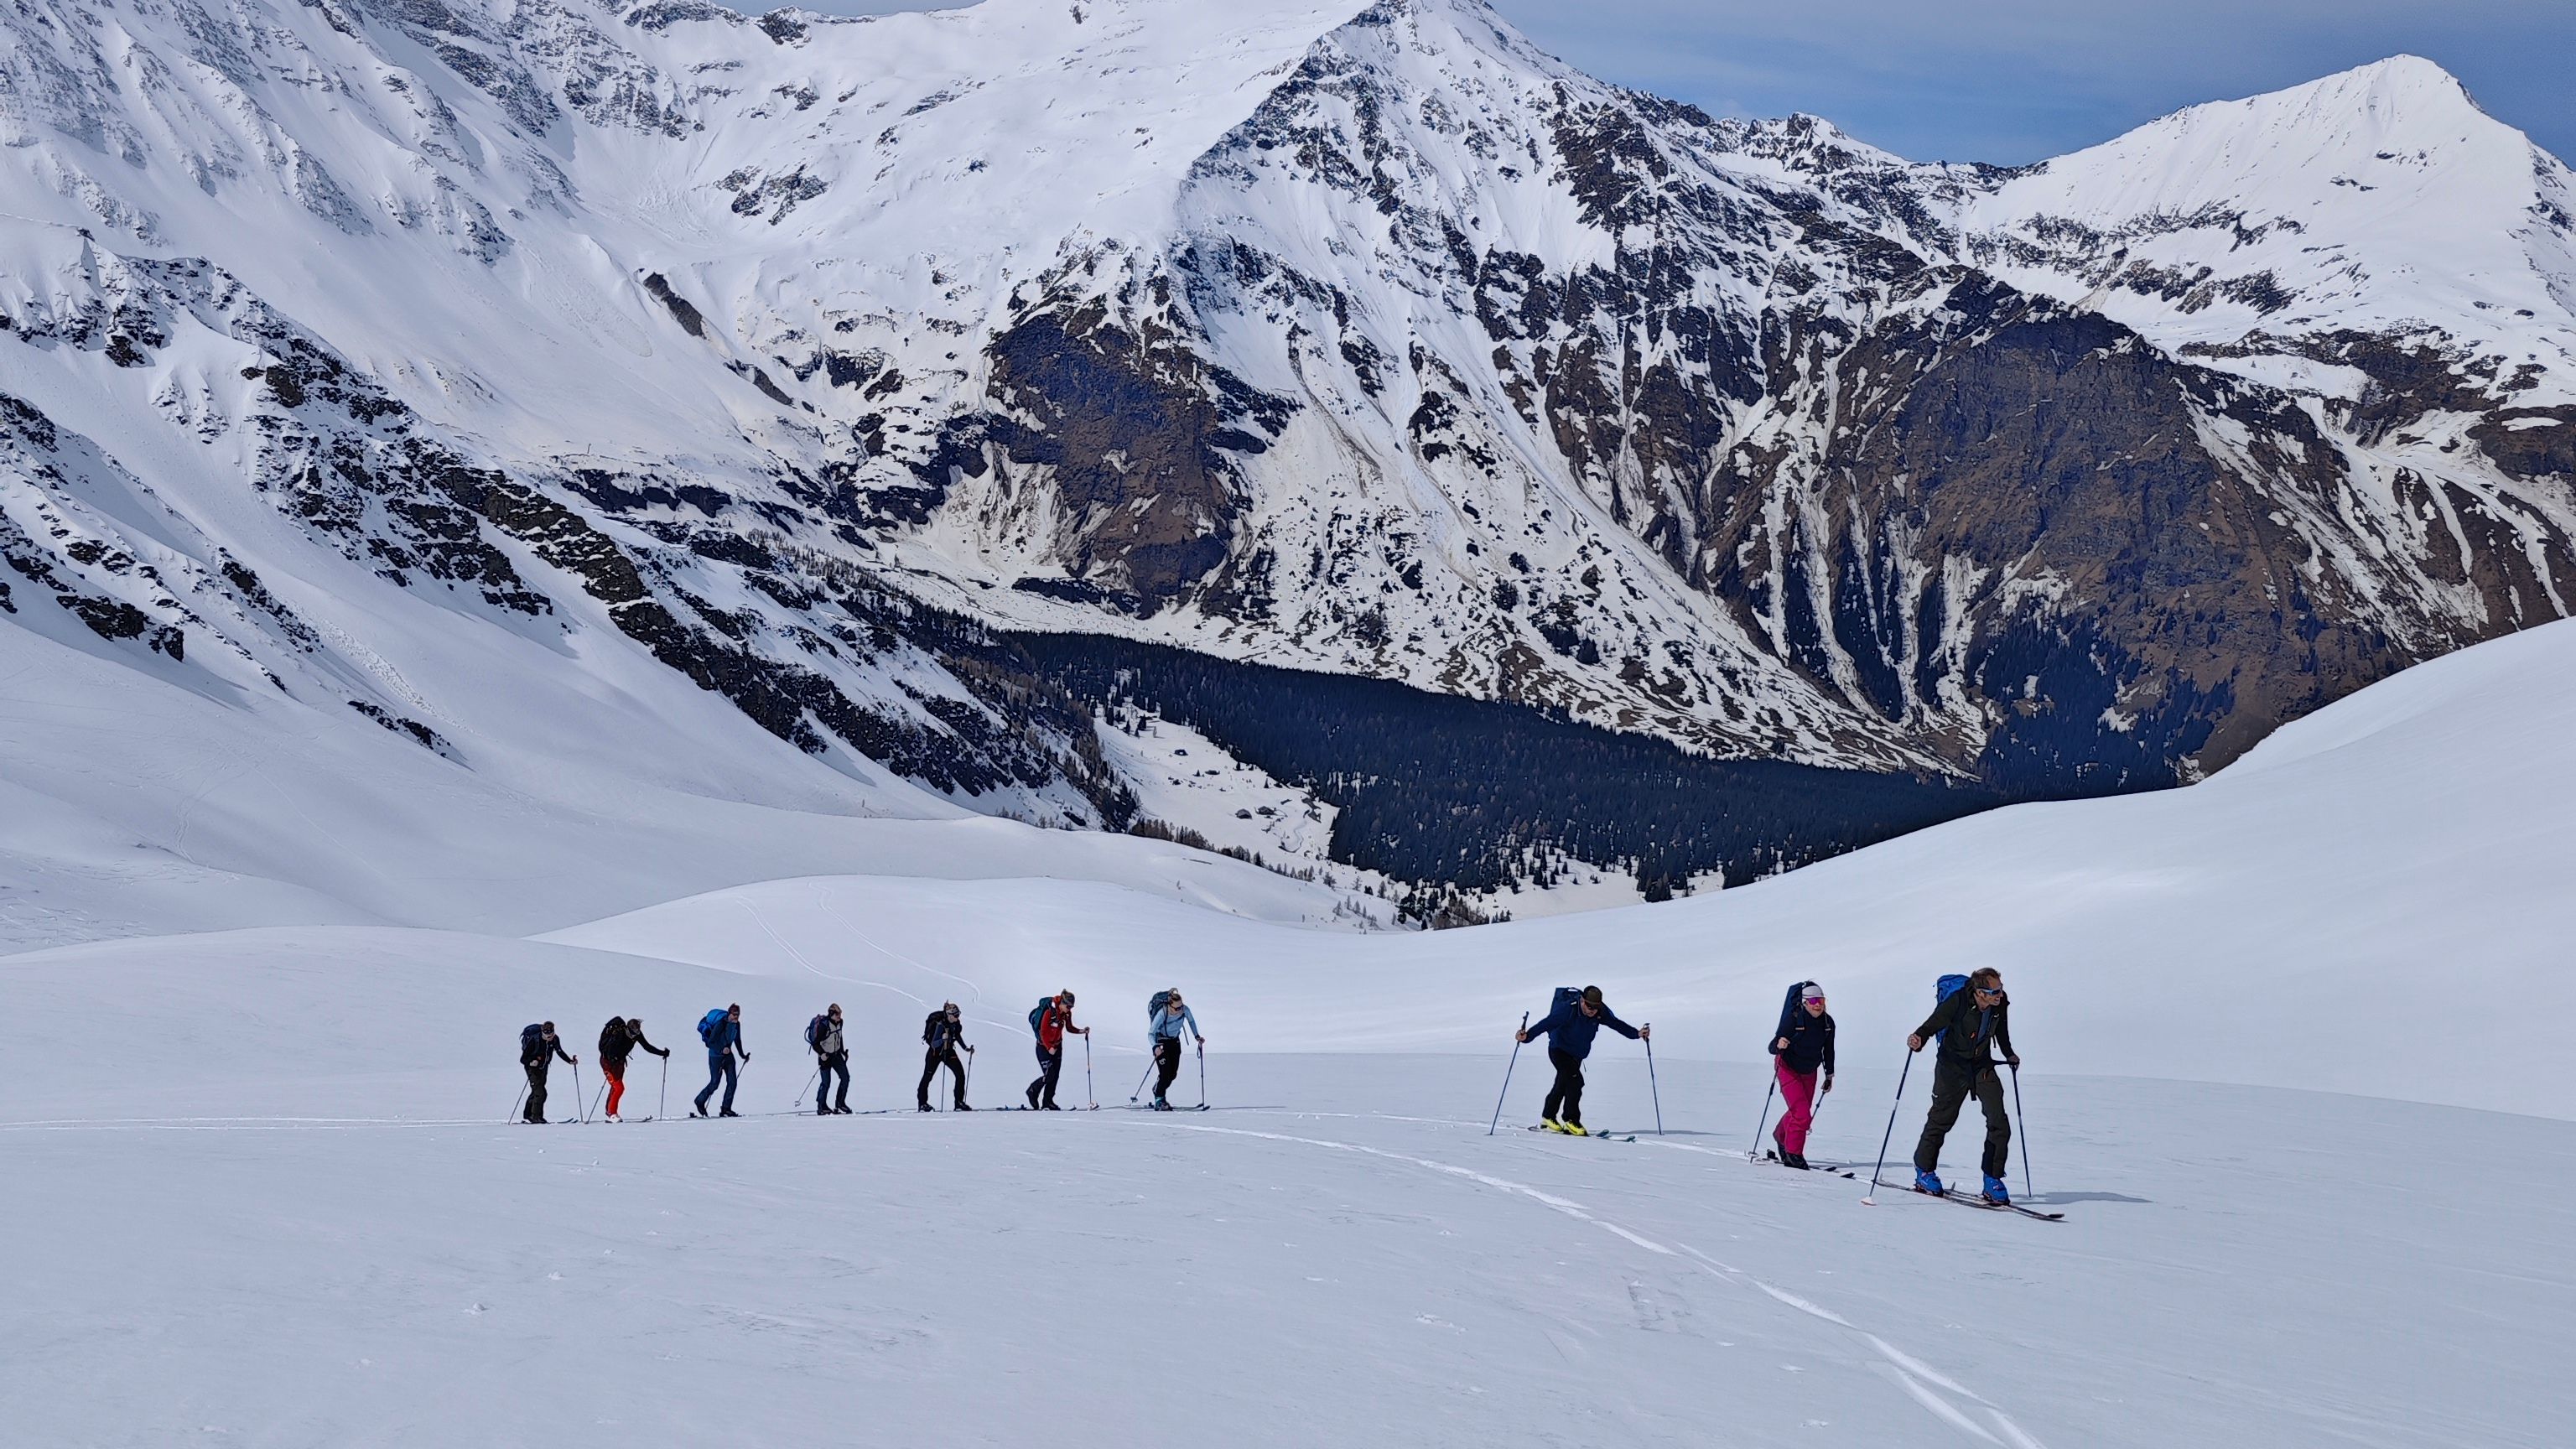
{"x":1052,"y":1026}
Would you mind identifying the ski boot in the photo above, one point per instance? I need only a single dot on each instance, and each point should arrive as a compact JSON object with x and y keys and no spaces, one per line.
{"x":1996,"y":1192}
{"x":1928,"y":1182}
{"x":1797,"y":1160}
{"x":697,"y":1111}
{"x":1572,"y":1129}
{"x":728,"y":1112}
{"x":1550,"y":1124}
{"x":1161,"y":1106}
{"x":962,"y":1107}
{"x":921,"y":1106}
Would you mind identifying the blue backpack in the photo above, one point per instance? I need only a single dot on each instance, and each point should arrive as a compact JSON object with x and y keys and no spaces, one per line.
{"x":1037,"y":1017}
{"x":532,"y":1042}
{"x":1563,"y":1001}
{"x":710,"y":1024}
{"x":1943,"y":990}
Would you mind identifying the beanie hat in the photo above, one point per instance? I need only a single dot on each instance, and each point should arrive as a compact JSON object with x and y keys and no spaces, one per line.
{"x":1592,"y":996}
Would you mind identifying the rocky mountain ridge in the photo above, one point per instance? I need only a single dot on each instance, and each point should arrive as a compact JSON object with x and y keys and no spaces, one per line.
{"x":799,"y":354}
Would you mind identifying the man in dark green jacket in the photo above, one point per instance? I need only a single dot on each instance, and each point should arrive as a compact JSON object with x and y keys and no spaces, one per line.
{"x":1967,"y":1023}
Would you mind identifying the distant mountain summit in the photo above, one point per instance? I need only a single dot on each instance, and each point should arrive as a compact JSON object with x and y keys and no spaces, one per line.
{"x":798,"y":354}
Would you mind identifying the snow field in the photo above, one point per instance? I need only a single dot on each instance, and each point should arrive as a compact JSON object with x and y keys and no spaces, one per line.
{"x":293,"y":1217}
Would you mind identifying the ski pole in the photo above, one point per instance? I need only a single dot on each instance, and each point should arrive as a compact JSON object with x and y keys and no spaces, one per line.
{"x":1087,"y":1096}
{"x":580,"y":1112}
{"x":1754,"y":1152}
{"x":663,"y":1105}
{"x":1871,"y":1196}
{"x":515,"y":1101}
{"x":1202,"y":1074}
{"x":601,"y":1092}
{"x":809,"y":1081}
{"x":1650,"y":1084}
{"x":966,"y":1079}
{"x":1507,"y":1075}
{"x":2021,"y":1128}
{"x":1140,"y":1081}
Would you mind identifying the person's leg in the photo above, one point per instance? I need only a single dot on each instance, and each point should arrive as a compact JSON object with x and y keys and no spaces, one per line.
{"x":1798,"y":1095}
{"x":1949,"y":1093}
{"x":957,"y":1078}
{"x":1054,"y":1073}
{"x":929,"y":1069}
{"x":841,"y":1097}
{"x":1040,"y":1084}
{"x":715,"y":1074}
{"x":1555,"y":1102}
{"x":1990,"y":1095}
{"x":732,"y":1076}
{"x":1167,"y":1059}
{"x":1573,"y":1093}
{"x":616,"y":1075}
{"x":536,"y":1111}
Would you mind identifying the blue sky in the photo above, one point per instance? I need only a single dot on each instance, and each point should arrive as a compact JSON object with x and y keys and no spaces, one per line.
{"x":2011,"y":81}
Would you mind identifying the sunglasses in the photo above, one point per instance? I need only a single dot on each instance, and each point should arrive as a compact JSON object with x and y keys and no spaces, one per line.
{"x":1990,"y":991}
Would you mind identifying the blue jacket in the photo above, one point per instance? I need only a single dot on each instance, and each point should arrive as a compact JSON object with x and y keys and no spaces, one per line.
{"x":1166,"y":1024}
{"x":727,"y":1034}
{"x":1571,"y":1032}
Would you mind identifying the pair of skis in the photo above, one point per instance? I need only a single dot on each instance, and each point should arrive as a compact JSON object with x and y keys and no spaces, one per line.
{"x":1969,"y":1199}
{"x":1587,"y":1132}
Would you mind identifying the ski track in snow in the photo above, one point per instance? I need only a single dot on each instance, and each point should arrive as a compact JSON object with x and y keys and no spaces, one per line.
{"x":1911,"y":1373}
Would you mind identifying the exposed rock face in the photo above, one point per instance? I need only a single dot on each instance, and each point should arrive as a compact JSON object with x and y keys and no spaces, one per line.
{"x":1355,"y":336}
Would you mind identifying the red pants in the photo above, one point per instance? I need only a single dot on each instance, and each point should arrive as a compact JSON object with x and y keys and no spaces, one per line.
{"x":616,"y":1076}
{"x":1798,"y":1090}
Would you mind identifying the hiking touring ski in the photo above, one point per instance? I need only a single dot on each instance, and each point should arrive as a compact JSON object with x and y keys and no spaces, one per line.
{"x":1969,"y":1199}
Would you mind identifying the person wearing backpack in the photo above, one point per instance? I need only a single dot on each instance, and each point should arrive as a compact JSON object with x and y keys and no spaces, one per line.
{"x":1573,"y":1019}
{"x":1169,"y":1017}
{"x":721,"y":1030}
{"x":1803,"y":1060}
{"x":943,"y":1035}
{"x":538,"y":1049}
{"x":618,"y":1041}
{"x":1050,"y":1019}
{"x":1968,"y":1020}
{"x":832,"y":1054}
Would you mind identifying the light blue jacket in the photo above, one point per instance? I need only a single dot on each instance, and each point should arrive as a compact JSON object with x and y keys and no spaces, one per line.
{"x":1169,"y":1024}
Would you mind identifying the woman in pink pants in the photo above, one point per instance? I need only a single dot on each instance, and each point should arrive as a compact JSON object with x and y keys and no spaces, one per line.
{"x":1802,"y":1049}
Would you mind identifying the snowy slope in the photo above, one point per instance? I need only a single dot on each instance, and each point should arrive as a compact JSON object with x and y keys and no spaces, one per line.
{"x":2371,"y":902}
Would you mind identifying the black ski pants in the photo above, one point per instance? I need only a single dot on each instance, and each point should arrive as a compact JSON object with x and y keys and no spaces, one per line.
{"x":837,"y":1062}
{"x":1564,"y":1095}
{"x":536,"y":1091}
{"x":931,"y":1061}
{"x":1041,"y":1092}
{"x":1167,"y":1064}
{"x":1951,"y":1084}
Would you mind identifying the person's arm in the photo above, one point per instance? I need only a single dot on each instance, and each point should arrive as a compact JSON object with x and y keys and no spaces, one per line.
{"x":1611,"y":1020}
{"x":1539,"y":1028}
{"x":1945,"y":1014}
{"x":1828,"y":1025}
{"x":2003,"y":1032}
{"x":1193,"y":1023}
{"x":648,"y":1046}
{"x":567,"y":1056}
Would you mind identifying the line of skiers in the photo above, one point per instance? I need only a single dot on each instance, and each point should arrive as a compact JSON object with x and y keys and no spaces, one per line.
{"x":1970,"y":1020}
{"x":942,"y":1036}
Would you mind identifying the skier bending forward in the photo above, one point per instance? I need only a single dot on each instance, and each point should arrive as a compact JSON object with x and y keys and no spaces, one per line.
{"x":1569,"y":1030}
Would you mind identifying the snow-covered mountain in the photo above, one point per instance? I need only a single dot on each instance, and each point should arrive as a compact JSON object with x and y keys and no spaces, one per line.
{"x":789,"y":355}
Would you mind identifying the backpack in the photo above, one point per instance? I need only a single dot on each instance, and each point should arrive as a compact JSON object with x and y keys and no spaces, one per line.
{"x":814,"y":1032}
{"x":532,"y":1042}
{"x":932,"y":1026}
{"x":1789,"y":1008}
{"x":614,"y":1038}
{"x":1154,"y":1008}
{"x":1942,"y":991}
{"x":1564,"y":1002}
{"x":710,"y":1024}
{"x":1037,"y":1016}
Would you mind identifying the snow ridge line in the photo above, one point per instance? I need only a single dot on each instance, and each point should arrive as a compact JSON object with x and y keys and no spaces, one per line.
{"x":1911,"y":1374}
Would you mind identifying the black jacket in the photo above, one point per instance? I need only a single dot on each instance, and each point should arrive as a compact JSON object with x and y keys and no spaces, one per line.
{"x":940,"y":1034}
{"x":541,"y":1051}
{"x":617,"y":1042}
{"x":1972,"y":1029}
{"x":1811,"y":1042}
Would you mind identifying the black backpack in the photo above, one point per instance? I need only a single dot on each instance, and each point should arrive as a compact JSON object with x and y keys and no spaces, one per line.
{"x":1789,"y":1008}
{"x":814,"y":1032}
{"x":614,"y":1038}
{"x":532,"y":1042}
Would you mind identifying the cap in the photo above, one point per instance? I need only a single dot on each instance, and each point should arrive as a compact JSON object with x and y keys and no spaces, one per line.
{"x":1812,"y":992}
